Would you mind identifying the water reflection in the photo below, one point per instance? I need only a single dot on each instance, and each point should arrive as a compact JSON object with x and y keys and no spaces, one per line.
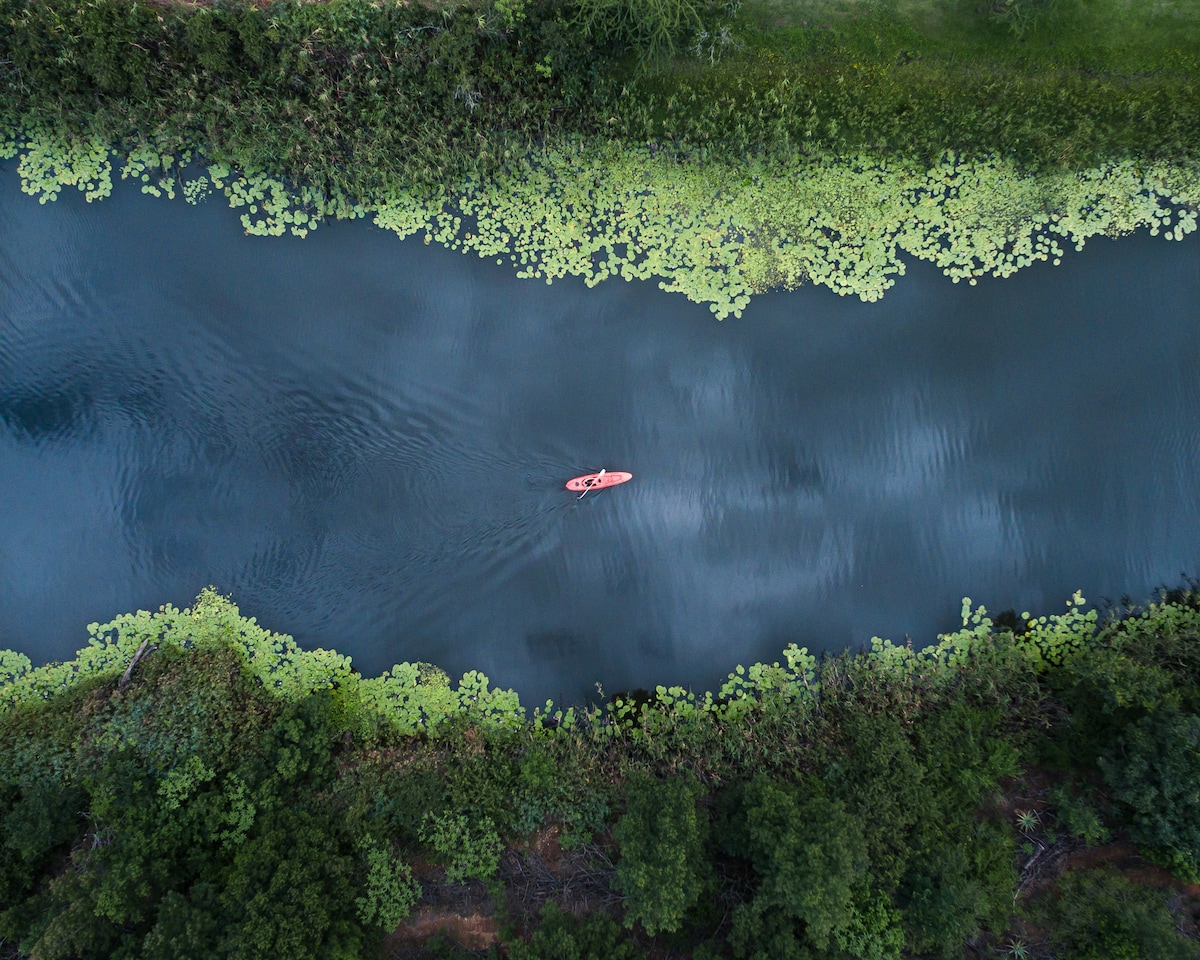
{"x":365,"y":443}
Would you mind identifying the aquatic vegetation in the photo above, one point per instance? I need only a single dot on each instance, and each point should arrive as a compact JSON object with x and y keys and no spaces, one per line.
{"x":716,"y":231}
{"x":720,"y":233}
{"x":370,"y":97}
{"x":48,"y":163}
{"x":416,"y":697}
{"x":411,"y":696}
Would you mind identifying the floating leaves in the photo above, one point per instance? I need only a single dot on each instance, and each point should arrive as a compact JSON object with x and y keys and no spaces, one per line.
{"x":715,"y":230}
{"x":48,"y":163}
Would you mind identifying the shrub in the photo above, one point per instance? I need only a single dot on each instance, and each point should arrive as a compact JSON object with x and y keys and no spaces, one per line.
{"x":1155,"y":775}
{"x":552,"y":785}
{"x":481,"y":782}
{"x":872,"y":767}
{"x":1020,"y":16}
{"x":391,"y":890}
{"x":809,"y":858}
{"x":470,"y":849}
{"x":1100,"y":915}
{"x":951,"y":887}
{"x":561,"y":936}
{"x":652,"y":28}
{"x":661,"y":836}
{"x":1078,"y":817}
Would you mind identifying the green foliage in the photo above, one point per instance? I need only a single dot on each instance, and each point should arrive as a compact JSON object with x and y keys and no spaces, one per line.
{"x":12,"y":665}
{"x":481,"y":781}
{"x":1155,"y":774}
{"x":560,"y":936}
{"x":394,"y":800}
{"x":809,"y":858}
{"x":219,"y":851}
{"x":1078,"y":817}
{"x":961,"y":872}
{"x":37,"y":825}
{"x":717,"y":229}
{"x":552,"y":785}
{"x":470,"y":849}
{"x":182,"y":782}
{"x":965,"y":755}
{"x":653,"y":28}
{"x":1139,"y":663}
{"x":661,"y":838}
{"x":1019,"y":16}
{"x":874,"y":930}
{"x":432,"y":91}
{"x":391,"y":890}
{"x":872,"y":767}
{"x":955,"y":886}
{"x":288,"y":891}
{"x":214,"y":805}
{"x":819,"y":154}
{"x":409,"y":697}
{"x":511,"y":12}
{"x":1100,"y":915}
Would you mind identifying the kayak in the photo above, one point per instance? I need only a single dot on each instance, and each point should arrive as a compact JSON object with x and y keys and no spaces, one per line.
{"x":593,"y":481}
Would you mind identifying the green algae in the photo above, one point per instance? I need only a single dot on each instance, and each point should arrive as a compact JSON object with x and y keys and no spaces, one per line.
{"x":715,"y":230}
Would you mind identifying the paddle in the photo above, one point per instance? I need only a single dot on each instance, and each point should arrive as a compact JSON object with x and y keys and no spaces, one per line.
{"x":603,"y":470}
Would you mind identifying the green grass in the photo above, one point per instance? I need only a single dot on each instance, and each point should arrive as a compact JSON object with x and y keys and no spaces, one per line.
{"x":1082,"y":82}
{"x":1100,"y":34}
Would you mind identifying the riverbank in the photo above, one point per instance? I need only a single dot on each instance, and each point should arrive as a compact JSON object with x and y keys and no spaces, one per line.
{"x":194,"y":783}
{"x":743,"y":149}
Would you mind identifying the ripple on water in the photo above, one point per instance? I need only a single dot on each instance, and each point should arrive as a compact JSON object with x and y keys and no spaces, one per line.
{"x":366,"y":442}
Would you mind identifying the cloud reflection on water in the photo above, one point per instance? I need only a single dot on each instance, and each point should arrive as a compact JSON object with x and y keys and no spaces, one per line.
{"x":365,"y":443}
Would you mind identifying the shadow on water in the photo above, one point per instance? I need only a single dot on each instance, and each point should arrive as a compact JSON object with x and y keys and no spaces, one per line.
{"x":366,"y":442}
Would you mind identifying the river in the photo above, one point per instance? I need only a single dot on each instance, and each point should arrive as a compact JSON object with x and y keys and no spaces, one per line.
{"x":365,"y":442}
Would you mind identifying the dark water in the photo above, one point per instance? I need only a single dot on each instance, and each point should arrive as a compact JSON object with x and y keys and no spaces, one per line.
{"x":365,"y":442}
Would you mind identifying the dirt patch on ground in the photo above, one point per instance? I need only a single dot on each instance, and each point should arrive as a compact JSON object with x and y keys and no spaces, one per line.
{"x":473,"y":931}
{"x":578,"y":880}
{"x":544,"y":846}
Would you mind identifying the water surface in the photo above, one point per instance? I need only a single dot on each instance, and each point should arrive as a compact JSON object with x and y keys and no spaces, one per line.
{"x":365,"y":442}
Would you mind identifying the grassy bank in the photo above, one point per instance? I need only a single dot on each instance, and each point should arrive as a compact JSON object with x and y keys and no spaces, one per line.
{"x":193,"y":785}
{"x":363,"y":95}
{"x":1077,"y":84}
{"x":723,"y":149}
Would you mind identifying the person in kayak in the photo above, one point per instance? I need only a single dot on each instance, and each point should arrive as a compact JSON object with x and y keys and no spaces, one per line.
{"x":591,"y":482}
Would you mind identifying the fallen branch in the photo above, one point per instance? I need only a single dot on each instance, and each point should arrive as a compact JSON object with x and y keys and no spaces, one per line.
{"x":128,"y":674}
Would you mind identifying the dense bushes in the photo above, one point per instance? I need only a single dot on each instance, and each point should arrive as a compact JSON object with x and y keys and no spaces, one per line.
{"x":661,"y":838}
{"x":205,"y":828}
{"x":235,"y":796}
{"x":349,"y":93}
{"x":1100,"y":915}
{"x":1154,"y":771}
{"x":808,"y":857}
{"x":560,"y":936}
{"x":367,"y":97}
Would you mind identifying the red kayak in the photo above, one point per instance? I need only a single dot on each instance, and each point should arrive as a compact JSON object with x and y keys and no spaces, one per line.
{"x":597,"y":481}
